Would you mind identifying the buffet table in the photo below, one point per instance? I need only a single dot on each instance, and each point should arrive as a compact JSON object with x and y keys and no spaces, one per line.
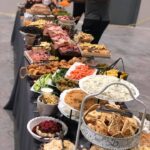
{"x":22,"y":100}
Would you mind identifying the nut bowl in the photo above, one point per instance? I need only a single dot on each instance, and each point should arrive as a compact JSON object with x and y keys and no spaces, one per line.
{"x":35,"y":121}
{"x":28,"y":38}
{"x":45,"y":109}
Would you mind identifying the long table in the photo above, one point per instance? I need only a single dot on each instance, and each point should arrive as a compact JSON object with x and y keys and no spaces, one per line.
{"x":22,"y":100}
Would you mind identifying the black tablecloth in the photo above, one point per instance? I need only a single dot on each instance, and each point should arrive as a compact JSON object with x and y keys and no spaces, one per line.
{"x":22,"y":99}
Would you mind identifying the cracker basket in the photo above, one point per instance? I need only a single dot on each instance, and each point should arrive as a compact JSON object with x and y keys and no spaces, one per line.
{"x":108,"y":142}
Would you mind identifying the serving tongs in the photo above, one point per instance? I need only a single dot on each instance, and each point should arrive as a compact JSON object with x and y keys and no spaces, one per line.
{"x":105,"y":67}
{"x":115,"y":63}
{"x":53,"y":6}
{"x":61,"y":136}
{"x":122,"y":112}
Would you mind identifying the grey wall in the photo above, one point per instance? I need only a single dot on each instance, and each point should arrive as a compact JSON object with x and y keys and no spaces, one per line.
{"x":144,"y":14}
{"x":124,"y":12}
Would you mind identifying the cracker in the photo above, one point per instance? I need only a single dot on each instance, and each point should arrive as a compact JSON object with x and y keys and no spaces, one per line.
{"x":116,"y":125}
{"x":101,"y":128}
{"x":130,"y":127}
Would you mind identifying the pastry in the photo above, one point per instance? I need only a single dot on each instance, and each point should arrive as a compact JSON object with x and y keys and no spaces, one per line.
{"x":116,"y":124}
{"x":101,"y":127}
{"x":130,"y":127}
{"x":82,"y":37}
{"x":144,"y":142}
{"x":94,"y":147}
{"x":92,"y":116}
{"x":145,"y":139}
{"x":111,"y":124}
{"x":88,"y":49}
{"x":39,"y":9}
{"x":40,"y":69}
{"x":57,"y":145}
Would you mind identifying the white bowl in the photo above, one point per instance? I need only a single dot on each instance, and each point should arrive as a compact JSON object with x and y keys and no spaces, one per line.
{"x":35,"y":121}
{"x":45,"y":109}
{"x":46,"y":90}
{"x":66,"y":109}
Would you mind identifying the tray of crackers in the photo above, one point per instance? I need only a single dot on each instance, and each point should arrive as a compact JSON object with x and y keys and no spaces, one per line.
{"x":94,"y":50}
{"x":82,"y":37}
{"x":110,"y":130}
{"x":144,"y":143}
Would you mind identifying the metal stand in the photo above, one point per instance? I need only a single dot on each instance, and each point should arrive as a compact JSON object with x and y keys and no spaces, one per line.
{"x":92,"y":95}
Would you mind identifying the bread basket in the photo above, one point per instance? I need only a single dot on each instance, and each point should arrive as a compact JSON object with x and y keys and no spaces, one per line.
{"x":106,"y":141}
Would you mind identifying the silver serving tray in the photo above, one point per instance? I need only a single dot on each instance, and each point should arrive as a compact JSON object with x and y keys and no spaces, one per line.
{"x":109,"y":142}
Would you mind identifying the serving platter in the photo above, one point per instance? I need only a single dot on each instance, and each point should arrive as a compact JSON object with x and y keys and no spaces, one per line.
{"x":66,"y":109}
{"x":109,"y":142}
{"x":73,"y":68}
{"x":115,"y":93}
{"x":62,"y":98}
{"x":93,"y":51}
{"x":67,"y":112}
{"x":43,"y":82}
{"x":32,"y":59}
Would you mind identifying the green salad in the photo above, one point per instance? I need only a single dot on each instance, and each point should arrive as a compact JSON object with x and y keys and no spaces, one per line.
{"x":43,"y":81}
{"x":58,"y":75}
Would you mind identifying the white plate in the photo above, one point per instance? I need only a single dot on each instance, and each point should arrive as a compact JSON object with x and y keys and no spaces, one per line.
{"x":66,"y":109}
{"x":62,"y":98}
{"x":66,"y":112}
{"x":73,"y":67}
{"x":115,"y":93}
{"x":32,"y":89}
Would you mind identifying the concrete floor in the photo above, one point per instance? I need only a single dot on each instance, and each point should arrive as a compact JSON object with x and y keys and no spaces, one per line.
{"x":6,"y":83}
{"x":132,"y":44}
{"x":9,"y":6}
